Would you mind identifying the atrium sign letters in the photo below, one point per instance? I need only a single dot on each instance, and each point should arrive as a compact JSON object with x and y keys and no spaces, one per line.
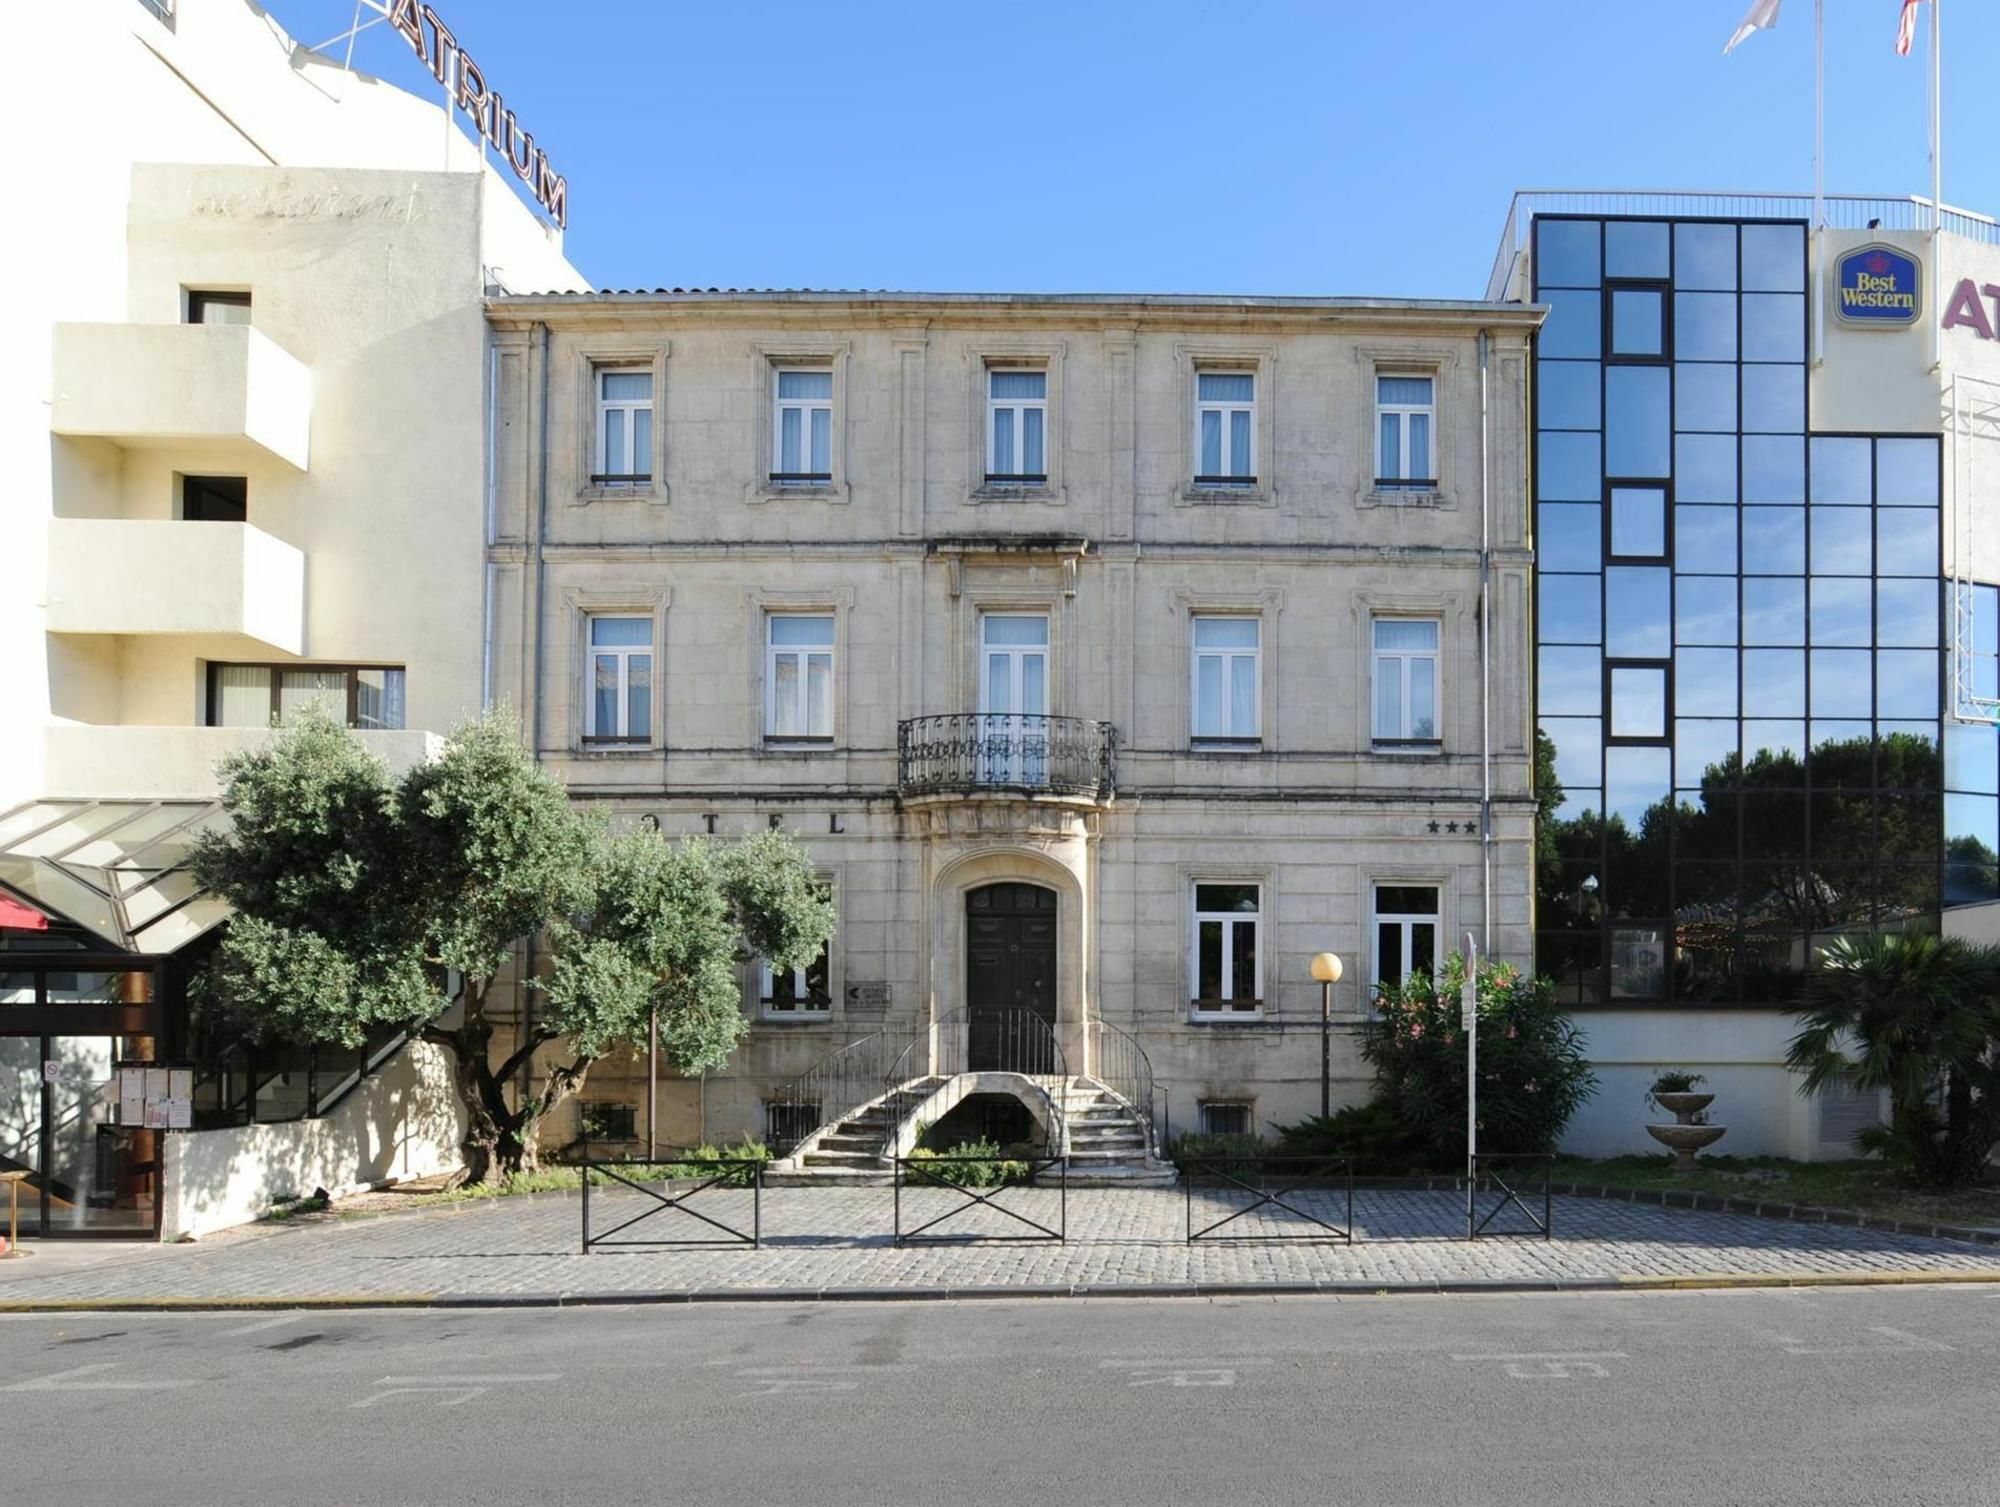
{"x":1965,"y":309}
{"x":1878,"y":287}
{"x":465,"y":84}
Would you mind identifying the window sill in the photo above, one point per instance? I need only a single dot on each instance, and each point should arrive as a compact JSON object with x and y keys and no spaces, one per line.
{"x":766,"y":490}
{"x":1244,"y":493}
{"x":654,"y":491}
{"x":1378,"y":496}
{"x":1407,"y":748}
{"x":797,"y":745}
{"x":1010,"y":491}
{"x":1238,"y":746}
{"x":603,"y":748}
{"x":1198,"y":1015}
{"x":792,"y":1019}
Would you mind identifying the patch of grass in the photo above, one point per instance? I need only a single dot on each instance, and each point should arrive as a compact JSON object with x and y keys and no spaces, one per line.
{"x":286,"y":1209}
{"x":1863,"y":1187}
{"x":547,"y":1180}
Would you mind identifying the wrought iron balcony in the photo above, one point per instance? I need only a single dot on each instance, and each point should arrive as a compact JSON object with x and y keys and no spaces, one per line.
{"x":963,"y":753}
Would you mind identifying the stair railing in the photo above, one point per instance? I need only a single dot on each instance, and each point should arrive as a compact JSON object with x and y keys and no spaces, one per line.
{"x":975,"y":1039}
{"x":836,"y":1086}
{"x":1120,"y":1064}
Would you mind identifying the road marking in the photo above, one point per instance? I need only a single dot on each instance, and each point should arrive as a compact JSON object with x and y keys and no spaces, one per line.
{"x":449,"y":1391}
{"x":769,"y":1381}
{"x":1902,"y":1342}
{"x":65,"y":1381}
{"x":262,"y":1324}
{"x":1548,"y":1365}
{"x":1183,"y":1373}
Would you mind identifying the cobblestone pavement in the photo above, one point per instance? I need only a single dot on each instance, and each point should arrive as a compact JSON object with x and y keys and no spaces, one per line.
{"x":827,"y":1240}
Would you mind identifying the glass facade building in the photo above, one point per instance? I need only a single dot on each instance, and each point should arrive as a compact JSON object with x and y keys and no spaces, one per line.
{"x":1740,"y":632}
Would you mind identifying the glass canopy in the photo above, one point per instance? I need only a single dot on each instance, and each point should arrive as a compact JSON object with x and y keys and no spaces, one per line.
{"x":117,"y":869}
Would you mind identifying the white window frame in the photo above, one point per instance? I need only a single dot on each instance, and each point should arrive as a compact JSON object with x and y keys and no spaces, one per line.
{"x":1224,"y":1007}
{"x":635,"y":412}
{"x":1398,"y":663}
{"x":623,"y":653}
{"x":1197,"y":654}
{"x":806,"y":408}
{"x":774,"y":652}
{"x":1401,"y":476}
{"x":1404,"y":922}
{"x":1226,"y":477}
{"x":1019,"y":406}
{"x":807,"y":1007}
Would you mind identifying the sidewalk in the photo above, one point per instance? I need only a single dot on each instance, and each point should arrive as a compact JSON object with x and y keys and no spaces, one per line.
{"x":831,"y":1243}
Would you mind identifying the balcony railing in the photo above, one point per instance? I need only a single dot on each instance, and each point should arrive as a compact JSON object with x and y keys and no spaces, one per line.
{"x":966,"y":752}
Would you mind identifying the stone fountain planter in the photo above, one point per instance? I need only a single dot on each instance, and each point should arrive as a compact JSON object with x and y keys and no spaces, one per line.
{"x":1686,"y":1136}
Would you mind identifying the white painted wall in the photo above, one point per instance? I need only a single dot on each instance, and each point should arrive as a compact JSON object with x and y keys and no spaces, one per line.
{"x":404,"y":1122}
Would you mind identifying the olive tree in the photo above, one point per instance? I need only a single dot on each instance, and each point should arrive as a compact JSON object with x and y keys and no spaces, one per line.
{"x":363,"y":901}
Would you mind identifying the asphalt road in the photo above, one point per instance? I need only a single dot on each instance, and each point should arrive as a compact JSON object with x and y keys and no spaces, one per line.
{"x":1853,"y":1396}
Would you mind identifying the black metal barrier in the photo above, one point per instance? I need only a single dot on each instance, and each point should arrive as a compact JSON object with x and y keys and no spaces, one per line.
{"x":704,"y":1173}
{"x":1299,"y":1173}
{"x":938,"y":1172}
{"x":1506,"y":1192}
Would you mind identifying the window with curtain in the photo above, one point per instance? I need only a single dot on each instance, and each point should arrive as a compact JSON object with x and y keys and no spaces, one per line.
{"x":1406,"y":679}
{"x":624,"y":428}
{"x":798,"y":675}
{"x":1228,"y":965}
{"x":1227,"y":699}
{"x":359,"y":696}
{"x":1405,"y":411}
{"x":1225,"y":427}
{"x":802,"y":449}
{"x":1017,"y":425}
{"x":1406,"y":930}
{"x":618,"y":700}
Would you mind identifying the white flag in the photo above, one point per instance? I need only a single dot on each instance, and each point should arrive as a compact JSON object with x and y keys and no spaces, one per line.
{"x":1762,"y":13}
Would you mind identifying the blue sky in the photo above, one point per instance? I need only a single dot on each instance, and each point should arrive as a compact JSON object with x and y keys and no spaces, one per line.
{"x":1340,"y":147}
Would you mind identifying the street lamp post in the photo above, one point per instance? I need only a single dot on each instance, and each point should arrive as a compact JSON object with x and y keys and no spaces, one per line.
{"x":1326,"y":969}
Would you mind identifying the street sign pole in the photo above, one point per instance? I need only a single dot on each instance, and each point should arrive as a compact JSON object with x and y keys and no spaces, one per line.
{"x":1468,"y":1015}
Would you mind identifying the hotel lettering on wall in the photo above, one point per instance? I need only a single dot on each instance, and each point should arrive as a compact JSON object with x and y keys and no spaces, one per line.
{"x":1878,"y":287}
{"x":1974,"y":306}
{"x":433,"y":42}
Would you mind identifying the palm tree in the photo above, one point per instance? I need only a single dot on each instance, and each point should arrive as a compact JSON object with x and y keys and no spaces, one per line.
{"x":1916,"y":1015}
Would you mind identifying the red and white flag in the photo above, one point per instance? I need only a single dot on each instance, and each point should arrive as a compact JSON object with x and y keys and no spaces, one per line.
{"x":1906,"y":27}
{"x":1762,"y":13}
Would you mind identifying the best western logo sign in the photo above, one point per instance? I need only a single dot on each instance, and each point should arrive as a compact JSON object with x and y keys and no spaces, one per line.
{"x":1878,"y":287}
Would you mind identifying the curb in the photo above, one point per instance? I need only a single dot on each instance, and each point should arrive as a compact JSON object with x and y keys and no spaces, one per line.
{"x":1440,"y":1287}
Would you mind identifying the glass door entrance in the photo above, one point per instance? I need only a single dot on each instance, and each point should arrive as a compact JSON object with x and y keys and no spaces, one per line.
{"x":86,"y":1173}
{"x":1013,"y":699}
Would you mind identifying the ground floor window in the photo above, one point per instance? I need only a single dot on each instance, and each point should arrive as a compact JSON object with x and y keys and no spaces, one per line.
{"x":1227,"y":965}
{"x":1225,"y":1117}
{"x":785,"y":1125}
{"x":796,"y":991}
{"x":609,"y":1120}
{"x":1406,"y":931}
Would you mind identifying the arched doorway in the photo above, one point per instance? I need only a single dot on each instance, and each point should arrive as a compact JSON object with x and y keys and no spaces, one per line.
{"x":1010,"y":976}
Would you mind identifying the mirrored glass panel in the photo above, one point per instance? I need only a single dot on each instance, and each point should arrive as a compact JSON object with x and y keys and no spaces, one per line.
{"x":1639,"y":522}
{"x":1567,"y":394}
{"x":1842,"y":542}
{"x":1638,"y":322}
{"x":1774,"y":541}
{"x":1972,"y":757}
{"x":1774,"y":610}
{"x":1906,"y":541}
{"x":1705,"y":683}
{"x":1635,"y":781}
{"x":1774,"y":327}
{"x":1842,"y":683}
{"x":1704,"y":327}
{"x":1774,"y":752}
{"x":1572,"y":328}
{"x":1570,"y":681}
{"x":1579,"y":745}
{"x":1774,"y":468}
{"x":1571,"y":610}
{"x":1705,"y":467}
{"x":1774,"y":682}
{"x":1906,"y":472}
{"x":1638,"y":627}
{"x":1705,"y":396}
{"x":1569,"y":536}
{"x":1636,"y":422}
{"x":1841,"y":612}
{"x":1705,"y":539}
{"x":1705,"y":609}
{"x":1704,"y":255}
{"x":1906,"y":683}
{"x":1906,"y":614}
{"x":1638,"y":701}
{"x":1840,"y":470}
{"x":1774,"y":258}
{"x":1635,"y":248}
{"x":1569,"y":470}
{"x":1774,"y":399}
{"x":1704,"y":749}
{"x":1566,"y":253}
{"x":1774,"y":824}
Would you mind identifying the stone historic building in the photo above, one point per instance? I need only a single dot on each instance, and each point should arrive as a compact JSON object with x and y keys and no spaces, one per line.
{"x":1111,"y":655}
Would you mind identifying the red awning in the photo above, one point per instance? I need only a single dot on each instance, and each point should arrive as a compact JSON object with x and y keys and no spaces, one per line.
{"x":18,"y":917}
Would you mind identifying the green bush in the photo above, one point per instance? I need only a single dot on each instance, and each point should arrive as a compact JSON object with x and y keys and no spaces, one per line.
{"x":934,"y":1167}
{"x":1235,"y":1154}
{"x":1532,"y":1072}
{"x":1380,"y":1143}
{"x":744,"y":1150}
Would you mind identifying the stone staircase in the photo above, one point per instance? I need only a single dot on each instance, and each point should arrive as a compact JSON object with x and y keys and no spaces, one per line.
{"x":1107,"y":1138}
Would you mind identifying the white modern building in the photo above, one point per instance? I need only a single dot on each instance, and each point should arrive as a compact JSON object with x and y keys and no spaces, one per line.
{"x":244,"y":426}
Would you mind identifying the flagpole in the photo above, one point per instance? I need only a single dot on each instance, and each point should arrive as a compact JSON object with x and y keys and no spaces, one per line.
{"x":1937,"y":118}
{"x":1819,"y":181}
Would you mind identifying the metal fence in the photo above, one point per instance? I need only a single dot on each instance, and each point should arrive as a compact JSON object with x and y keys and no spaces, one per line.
{"x":972,"y":1190}
{"x":1295,"y":1177}
{"x":669,"y":1184}
{"x":1493,"y":1180}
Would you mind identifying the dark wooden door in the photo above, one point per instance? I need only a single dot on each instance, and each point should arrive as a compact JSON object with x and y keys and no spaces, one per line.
{"x":1010,"y":977}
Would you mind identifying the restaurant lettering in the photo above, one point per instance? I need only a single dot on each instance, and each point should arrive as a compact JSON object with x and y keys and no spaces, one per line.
{"x":466,"y":87}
